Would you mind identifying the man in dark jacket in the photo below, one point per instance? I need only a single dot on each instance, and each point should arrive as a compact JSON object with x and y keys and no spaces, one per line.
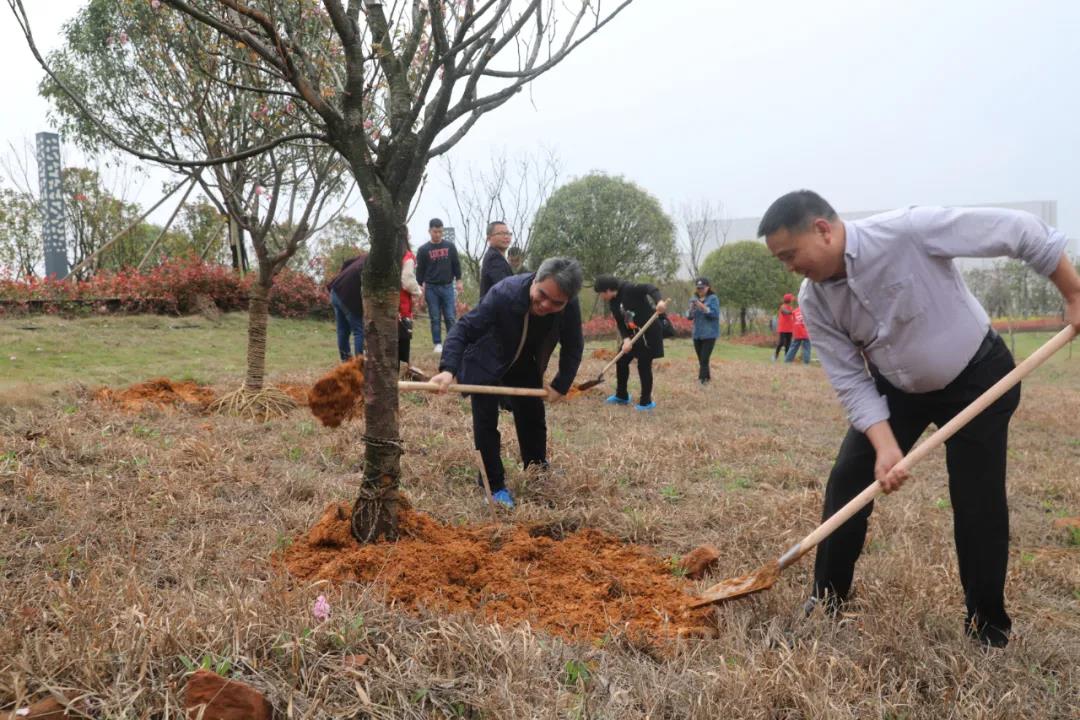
{"x":438,"y":271}
{"x":346,"y":297}
{"x":508,"y":339}
{"x":632,"y":305}
{"x":494,"y":266}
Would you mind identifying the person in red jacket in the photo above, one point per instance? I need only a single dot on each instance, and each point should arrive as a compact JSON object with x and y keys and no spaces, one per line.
{"x":785,"y":325}
{"x":407,"y":302}
{"x":800,"y":337}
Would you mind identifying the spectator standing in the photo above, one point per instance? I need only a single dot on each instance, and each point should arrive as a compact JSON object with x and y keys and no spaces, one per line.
{"x":785,"y":325}
{"x":438,"y":270}
{"x":705,"y":312}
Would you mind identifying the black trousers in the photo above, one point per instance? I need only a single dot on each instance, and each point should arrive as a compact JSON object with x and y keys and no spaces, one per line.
{"x":404,"y":339}
{"x":783,"y":341}
{"x":976,"y":460}
{"x":530,"y":422}
{"x":704,"y":349}
{"x":644,"y":371}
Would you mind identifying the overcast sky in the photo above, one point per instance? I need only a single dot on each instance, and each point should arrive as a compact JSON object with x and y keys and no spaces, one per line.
{"x":874,"y":104}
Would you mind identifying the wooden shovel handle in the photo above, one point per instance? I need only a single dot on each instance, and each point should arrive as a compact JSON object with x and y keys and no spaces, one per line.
{"x":633,"y":340}
{"x":943,"y":433}
{"x":473,"y":389}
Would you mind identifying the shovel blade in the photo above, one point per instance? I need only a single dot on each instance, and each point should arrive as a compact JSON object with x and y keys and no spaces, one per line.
{"x":589,"y":384}
{"x":761,"y":579}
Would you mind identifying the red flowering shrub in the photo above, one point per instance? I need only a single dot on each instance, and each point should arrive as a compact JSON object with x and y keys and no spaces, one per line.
{"x":1041,"y":324}
{"x":295,"y":295}
{"x":604,"y":327}
{"x":169,"y":288}
{"x":599,"y":327}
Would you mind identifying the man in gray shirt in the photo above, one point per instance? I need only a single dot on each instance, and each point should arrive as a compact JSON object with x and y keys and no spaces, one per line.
{"x":905,"y":344}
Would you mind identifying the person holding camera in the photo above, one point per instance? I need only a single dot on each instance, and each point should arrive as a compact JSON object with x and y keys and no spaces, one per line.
{"x":705,"y":312}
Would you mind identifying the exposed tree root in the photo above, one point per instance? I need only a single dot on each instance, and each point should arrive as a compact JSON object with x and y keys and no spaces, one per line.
{"x":263,"y":405}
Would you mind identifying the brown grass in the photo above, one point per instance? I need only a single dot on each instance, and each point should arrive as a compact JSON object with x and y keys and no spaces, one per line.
{"x":134,"y":547}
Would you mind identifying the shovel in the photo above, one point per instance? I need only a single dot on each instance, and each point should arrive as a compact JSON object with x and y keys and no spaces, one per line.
{"x":473,"y":389}
{"x":589,"y":384}
{"x":764,"y":577}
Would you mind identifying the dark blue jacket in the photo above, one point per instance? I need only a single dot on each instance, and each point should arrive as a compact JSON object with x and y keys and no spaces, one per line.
{"x":493,"y":268}
{"x":481,"y":346}
{"x":348,"y":284}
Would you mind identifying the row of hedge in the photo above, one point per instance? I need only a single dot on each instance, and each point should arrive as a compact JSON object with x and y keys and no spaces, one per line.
{"x":174,"y":288}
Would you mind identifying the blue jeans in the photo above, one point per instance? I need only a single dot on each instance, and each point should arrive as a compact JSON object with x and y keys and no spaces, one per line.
{"x":441,"y":303}
{"x":347,"y":322}
{"x":794,"y":349}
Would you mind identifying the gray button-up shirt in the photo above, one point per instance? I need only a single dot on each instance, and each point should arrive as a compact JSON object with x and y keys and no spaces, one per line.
{"x":904,"y":303}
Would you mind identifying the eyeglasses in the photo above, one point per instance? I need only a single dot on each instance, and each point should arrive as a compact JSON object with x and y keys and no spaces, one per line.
{"x":503,"y":232}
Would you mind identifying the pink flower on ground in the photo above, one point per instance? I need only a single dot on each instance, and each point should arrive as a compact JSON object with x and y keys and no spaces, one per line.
{"x":321,"y":609}
{"x":155,"y":4}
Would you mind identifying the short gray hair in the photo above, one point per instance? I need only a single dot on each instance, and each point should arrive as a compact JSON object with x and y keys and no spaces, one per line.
{"x":566,"y":272}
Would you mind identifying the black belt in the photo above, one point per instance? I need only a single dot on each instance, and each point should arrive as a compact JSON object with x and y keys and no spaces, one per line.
{"x":984,"y":349}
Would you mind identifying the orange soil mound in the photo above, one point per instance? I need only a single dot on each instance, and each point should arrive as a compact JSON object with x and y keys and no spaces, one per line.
{"x":581,"y":586}
{"x":603,"y":354}
{"x":338,"y":395}
{"x":574,"y":391}
{"x":160,"y":392}
{"x":298,"y":393}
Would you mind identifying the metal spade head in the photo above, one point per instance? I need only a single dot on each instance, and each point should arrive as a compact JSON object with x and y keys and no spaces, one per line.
{"x":589,"y":384}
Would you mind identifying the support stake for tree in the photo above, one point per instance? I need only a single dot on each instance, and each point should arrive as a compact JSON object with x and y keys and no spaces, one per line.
{"x":194,"y":180}
{"x":134,"y":223}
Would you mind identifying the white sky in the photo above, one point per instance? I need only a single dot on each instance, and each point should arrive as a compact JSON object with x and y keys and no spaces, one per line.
{"x":874,"y":104}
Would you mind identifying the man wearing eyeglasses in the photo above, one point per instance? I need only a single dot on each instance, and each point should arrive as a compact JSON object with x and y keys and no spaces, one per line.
{"x":508,"y":340}
{"x":494,"y":265}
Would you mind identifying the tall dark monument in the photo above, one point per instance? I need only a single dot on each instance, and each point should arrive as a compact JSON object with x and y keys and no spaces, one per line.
{"x":52,"y":204}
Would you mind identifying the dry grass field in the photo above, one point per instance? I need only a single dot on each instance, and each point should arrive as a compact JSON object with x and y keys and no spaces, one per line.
{"x":137,"y":546}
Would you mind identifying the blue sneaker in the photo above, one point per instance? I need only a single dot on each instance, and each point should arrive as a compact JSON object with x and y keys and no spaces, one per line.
{"x":650,"y":406}
{"x":503,"y":498}
{"x":616,"y":400}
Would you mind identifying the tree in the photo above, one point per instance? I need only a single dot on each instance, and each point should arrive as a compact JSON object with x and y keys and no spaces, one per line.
{"x":172,"y":89}
{"x":388,"y":92}
{"x":510,"y":189}
{"x":610,"y":225}
{"x":342,"y":238}
{"x":21,"y":252}
{"x":705,"y":223}
{"x":745,"y":275}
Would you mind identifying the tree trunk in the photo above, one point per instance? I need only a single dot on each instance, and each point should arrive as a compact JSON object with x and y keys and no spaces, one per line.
{"x":382,"y":273}
{"x":742,"y":321}
{"x":258,"y":311}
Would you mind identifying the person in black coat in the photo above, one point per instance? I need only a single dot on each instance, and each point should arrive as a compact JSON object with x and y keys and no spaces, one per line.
{"x":494,"y":266}
{"x":632,"y":304}
{"x":346,"y":297}
{"x":508,"y":340}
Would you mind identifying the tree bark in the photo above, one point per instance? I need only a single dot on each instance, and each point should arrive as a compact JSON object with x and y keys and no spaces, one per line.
{"x":258,"y":312}
{"x":375,"y":513}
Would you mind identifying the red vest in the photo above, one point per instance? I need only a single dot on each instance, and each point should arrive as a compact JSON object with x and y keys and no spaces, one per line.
{"x":785,"y":322}
{"x":405,"y":299}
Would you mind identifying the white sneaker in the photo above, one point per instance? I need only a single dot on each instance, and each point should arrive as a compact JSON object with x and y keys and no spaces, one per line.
{"x":438,"y":349}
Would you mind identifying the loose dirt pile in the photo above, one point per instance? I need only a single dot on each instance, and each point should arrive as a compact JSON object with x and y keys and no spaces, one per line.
{"x":298,"y":393}
{"x":339,"y":394}
{"x":581,"y":586}
{"x":164,"y":393}
{"x":159,"y":392}
{"x":603,"y":354}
